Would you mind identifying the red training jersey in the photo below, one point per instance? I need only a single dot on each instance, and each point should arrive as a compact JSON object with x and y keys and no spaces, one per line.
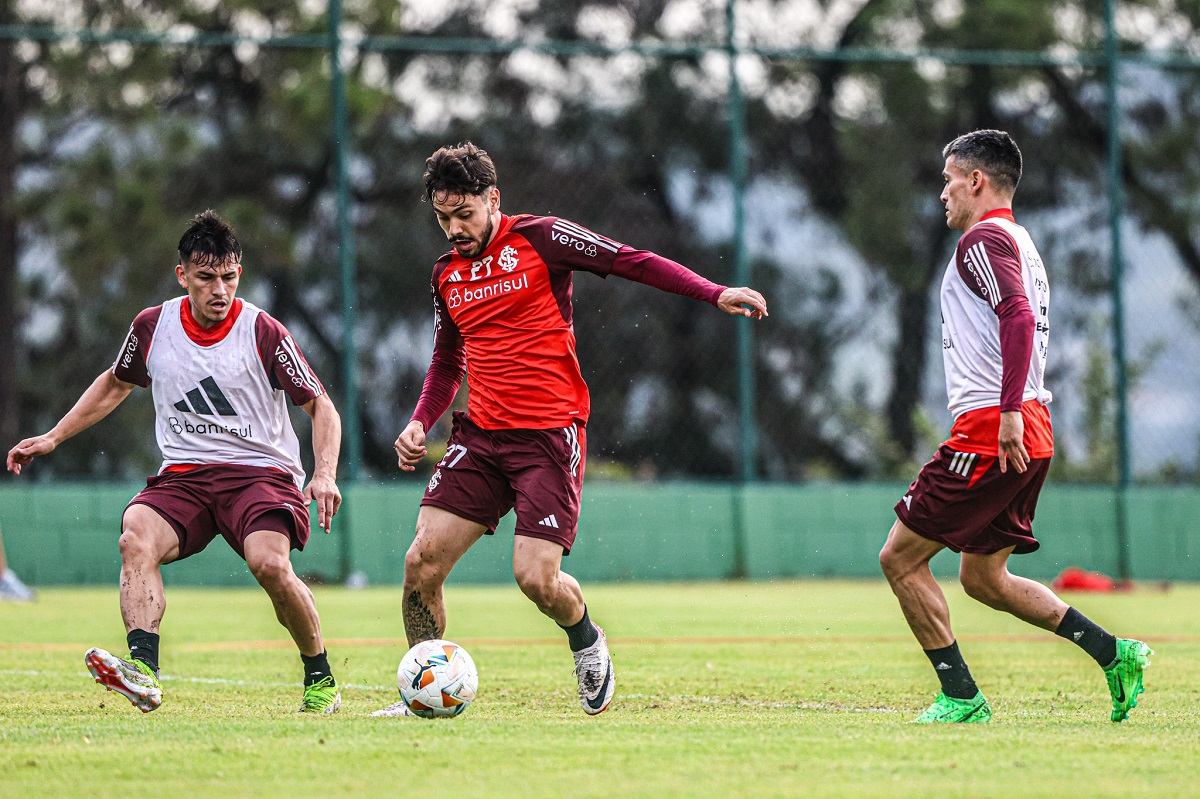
{"x":506,"y":316}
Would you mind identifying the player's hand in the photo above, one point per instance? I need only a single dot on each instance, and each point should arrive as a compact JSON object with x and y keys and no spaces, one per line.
{"x":329,"y":499}
{"x":1012,"y":442}
{"x":410,"y":446}
{"x":27,"y":450}
{"x":734,"y":301}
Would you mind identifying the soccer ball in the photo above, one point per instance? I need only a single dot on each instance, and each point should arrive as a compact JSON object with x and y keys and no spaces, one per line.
{"x":437,"y":679}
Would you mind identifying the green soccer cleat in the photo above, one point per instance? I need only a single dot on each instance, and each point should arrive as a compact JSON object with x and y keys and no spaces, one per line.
{"x":131,"y":678}
{"x":1125,"y":674}
{"x":948,"y":710}
{"x":322,"y":696}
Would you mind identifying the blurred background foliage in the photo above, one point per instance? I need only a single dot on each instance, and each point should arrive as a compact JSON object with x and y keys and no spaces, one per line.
{"x":108,"y":147}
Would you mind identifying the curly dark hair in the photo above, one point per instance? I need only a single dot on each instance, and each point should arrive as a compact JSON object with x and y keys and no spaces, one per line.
{"x":991,"y":151}
{"x":209,"y":241}
{"x":459,"y":170}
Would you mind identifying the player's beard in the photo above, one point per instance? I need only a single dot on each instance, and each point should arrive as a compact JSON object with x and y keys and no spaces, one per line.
{"x":480,"y":244}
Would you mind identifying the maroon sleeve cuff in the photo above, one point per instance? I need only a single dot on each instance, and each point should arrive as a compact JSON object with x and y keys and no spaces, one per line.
{"x":1016,"y":348}
{"x":442,"y":380}
{"x":662,"y":273}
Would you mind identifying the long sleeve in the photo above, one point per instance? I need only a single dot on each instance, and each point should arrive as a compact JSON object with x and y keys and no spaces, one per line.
{"x":650,"y":269}
{"x":1016,"y":348}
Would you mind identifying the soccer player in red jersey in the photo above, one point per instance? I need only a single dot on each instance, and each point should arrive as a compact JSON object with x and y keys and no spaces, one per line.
{"x":220,"y":373}
{"x":502,"y":312}
{"x":977,"y":496}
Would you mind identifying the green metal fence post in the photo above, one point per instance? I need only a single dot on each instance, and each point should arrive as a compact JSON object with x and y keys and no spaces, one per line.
{"x":1117,"y":271}
{"x":352,"y":435}
{"x":741,"y":277}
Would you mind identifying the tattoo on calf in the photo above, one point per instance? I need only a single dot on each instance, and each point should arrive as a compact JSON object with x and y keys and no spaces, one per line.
{"x":419,"y":623}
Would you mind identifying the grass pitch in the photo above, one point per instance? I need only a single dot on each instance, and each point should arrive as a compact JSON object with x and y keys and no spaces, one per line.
{"x":723,"y":689}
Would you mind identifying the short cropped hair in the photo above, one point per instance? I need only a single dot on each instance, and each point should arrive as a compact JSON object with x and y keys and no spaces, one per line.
{"x":209,"y":241}
{"x":459,"y":170}
{"x":991,"y":151}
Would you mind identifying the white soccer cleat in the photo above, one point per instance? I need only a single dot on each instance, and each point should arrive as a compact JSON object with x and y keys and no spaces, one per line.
{"x":594,"y":670}
{"x":131,"y":678}
{"x":12,"y":589}
{"x":392,"y":711}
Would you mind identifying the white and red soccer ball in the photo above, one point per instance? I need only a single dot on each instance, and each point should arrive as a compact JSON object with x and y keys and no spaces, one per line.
{"x":437,"y":679}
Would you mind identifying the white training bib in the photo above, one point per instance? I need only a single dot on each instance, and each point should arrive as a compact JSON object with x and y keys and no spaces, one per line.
{"x":971,"y":332}
{"x":215,"y":404}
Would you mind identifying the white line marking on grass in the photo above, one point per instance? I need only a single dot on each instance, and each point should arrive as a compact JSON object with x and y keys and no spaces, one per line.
{"x":686,"y":700}
{"x":201,"y":680}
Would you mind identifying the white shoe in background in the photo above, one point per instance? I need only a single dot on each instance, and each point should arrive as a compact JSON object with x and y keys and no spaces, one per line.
{"x":13,"y":590}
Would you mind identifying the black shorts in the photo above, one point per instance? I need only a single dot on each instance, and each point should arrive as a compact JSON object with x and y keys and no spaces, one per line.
{"x":227,"y":500}
{"x":962,"y":500}
{"x":487,"y":473}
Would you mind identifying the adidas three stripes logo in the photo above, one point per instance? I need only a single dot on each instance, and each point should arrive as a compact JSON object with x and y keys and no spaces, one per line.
{"x":215,"y":405}
{"x":962,"y":463}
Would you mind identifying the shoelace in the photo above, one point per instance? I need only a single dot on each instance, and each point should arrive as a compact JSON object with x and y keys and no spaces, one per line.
{"x":312,"y":699}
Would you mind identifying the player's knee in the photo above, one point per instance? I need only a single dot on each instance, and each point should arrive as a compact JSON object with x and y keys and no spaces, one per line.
{"x":539,"y":587}
{"x":136,"y":546}
{"x":892,"y":563}
{"x":981,"y":585}
{"x":420,"y":570}
{"x":270,"y":569}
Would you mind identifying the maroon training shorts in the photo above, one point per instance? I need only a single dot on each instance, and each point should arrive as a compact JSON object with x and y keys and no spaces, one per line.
{"x":487,"y":473}
{"x":227,"y":500}
{"x":962,"y":500}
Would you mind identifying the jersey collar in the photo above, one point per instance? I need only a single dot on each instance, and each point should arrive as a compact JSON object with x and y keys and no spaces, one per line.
{"x":999,"y":213}
{"x":207,"y":336}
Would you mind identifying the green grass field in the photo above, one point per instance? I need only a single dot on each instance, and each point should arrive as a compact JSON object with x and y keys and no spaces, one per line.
{"x":724,"y":689}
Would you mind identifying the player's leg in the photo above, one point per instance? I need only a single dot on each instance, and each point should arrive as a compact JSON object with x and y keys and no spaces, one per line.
{"x":547,"y":468}
{"x":268,"y":555}
{"x":537,"y":567}
{"x":147,"y":542}
{"x":905,"y":563}
{"x":904,"y":560}
{"x":987,"y":579}
{"x":442,"y":538}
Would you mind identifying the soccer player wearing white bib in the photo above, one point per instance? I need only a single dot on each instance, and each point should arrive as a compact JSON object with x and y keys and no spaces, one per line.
{"x":221,"y":372}
{"x":978,"y":494}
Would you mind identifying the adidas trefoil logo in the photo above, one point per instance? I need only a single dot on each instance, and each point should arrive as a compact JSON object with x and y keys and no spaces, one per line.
{"x":549,"y":521}
{"x":220,"y":405}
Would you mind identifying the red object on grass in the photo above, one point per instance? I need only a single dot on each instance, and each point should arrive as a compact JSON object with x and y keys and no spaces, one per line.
{"x":1074,"y":578}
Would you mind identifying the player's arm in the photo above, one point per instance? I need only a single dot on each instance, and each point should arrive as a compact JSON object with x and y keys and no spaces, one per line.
{"x":651,"y":269}
{"x":990,"y":265}
{"x":289,"y":371}
{"x":1017,"y":327}
{"x":327,"y":444}
{"x":442,"y":381}
{"x":104,"y":394}
{"x":566,"y":246}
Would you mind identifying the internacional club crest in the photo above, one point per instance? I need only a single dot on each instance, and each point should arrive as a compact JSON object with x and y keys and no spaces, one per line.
{"x":508,"y":258}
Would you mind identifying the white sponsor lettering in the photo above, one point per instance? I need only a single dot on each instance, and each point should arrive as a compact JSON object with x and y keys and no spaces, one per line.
{"x":207,"y":428}
{"x":585,"y":247}
{"x":505,"y":286}
{"x":131,"y":344}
